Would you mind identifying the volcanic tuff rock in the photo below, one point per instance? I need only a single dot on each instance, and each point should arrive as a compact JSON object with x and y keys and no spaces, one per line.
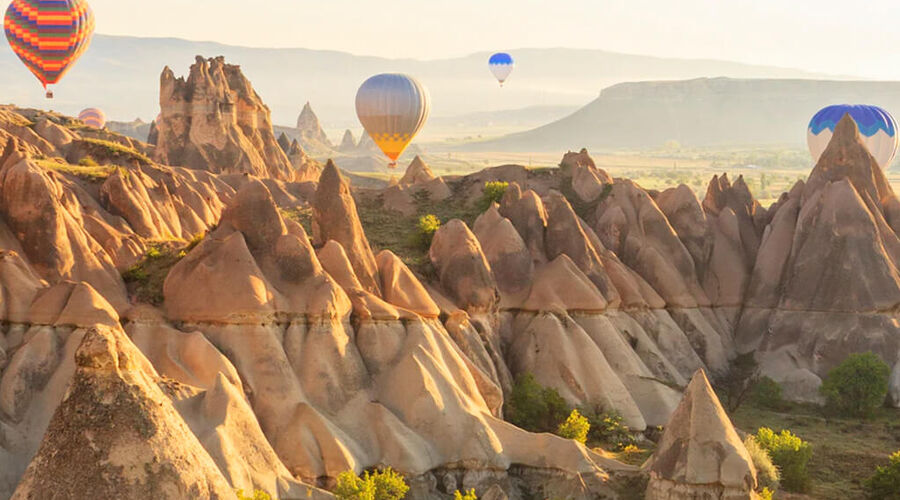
{"x":311,"y":134}
{"x":348,"y":142}
{"x":336,"y":219}
{"x":825,"y":282}
{"x":700,"y":454}
{"x":215,"y":121}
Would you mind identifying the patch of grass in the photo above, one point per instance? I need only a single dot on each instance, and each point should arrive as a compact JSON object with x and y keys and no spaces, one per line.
{"x":116,"y":150}
{"x":387,"y":230}
{"x":300,"y":215}
{"x":97,"y":173}
{"x":634,"y":454}
{"x":145,"y":279}
{"x":845,"y":451}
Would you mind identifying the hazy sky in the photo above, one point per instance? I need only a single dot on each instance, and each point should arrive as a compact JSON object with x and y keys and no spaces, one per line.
{"x":858,"y":37}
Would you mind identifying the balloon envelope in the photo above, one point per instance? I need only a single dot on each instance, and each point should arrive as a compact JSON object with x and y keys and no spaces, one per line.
{"x":49,"y":35}
{"x":392,"y":108}
{"x":501,"y":65}
{"x":93,"y":117}
{"x":877,"y":129}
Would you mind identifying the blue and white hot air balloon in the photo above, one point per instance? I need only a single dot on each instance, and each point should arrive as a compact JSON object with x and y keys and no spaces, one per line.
{"x":877,"y":129}
{"x":501,"y":65}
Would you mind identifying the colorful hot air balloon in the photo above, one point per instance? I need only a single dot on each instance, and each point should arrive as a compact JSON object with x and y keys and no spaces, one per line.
{"x":392,"y":108}
{"x":49,"y":35}
{"x":501,"y":65}
{"x":93,"y":117}
{"x":877,"y":129}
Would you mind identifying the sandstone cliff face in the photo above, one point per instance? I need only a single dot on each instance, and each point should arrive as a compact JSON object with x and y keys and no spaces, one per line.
{"x":215,"y":121}
{"x":825,"y":283}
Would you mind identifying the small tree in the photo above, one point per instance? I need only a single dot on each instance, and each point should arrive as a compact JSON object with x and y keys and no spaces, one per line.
{"x":425,"y":229}
{"x":790,"y":454}
{"x":492,"y":193}
{"x":857,"y":386}
{"x":575,"y":427}
{"x":380,"y":485}
{"x":609,"y":429}
{"x":738,"y":383}
{"x":885,"y":483}
{"x":767,"y":393}
{"x":535,"y":408}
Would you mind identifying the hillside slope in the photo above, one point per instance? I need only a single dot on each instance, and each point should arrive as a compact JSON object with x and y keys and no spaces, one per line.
{"x":697,"y":113}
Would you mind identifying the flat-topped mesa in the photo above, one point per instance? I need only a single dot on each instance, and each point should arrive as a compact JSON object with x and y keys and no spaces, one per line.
{"x":847,"y":157}
{"x":215,"y":121}
{"x":700,"y":454}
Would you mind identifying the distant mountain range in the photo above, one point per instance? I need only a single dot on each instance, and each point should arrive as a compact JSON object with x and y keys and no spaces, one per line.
{"x":700,"y":112}
{"x":121,"y":76}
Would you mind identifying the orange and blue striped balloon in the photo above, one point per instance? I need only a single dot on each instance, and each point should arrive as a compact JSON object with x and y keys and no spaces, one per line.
{"x":93,"y":117}
{"x":49,"y":35}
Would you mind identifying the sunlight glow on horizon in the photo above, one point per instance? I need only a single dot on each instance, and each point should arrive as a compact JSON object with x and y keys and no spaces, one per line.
{"x":825,"y":36}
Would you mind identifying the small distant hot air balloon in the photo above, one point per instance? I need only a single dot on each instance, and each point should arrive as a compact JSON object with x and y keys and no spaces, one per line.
{"x":501,"y":65}
{"x":392,"y":108}
{"x":93,"y":117}
{"x":877,"y":129}
{"x":49,"y":35}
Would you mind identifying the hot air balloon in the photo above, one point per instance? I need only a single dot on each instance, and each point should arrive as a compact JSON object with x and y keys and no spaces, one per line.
{"x":392,"y":108}
{"x":877,"y":129}
{"x":501,"y":65}
{"x":93,"y":117}
{"x":49,"y":35}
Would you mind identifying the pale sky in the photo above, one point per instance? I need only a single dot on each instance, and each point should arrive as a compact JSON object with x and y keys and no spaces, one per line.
{"x":858,"y":37}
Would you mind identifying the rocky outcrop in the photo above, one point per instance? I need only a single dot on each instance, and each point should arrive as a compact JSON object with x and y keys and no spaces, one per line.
{"x":310,"y":130}
{"x":348,"y":142}
{"x":215,"y":121}
{"x":417,"y":172}
{"x":825,"y":282}
{"x":335,"y":219}
{"x":700,"y":454}
{"x":122,"y":431}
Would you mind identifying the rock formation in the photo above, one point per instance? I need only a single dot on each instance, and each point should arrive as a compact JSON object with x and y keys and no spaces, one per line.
{"x":825,"y":282}
{"x":348,"y":142}
{"x":311,"y":134}
{"x":700,"y":454}
{"x":215,"y":121}
{"x":417,"y":173}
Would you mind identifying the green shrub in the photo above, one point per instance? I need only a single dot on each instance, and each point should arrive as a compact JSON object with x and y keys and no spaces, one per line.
{"x":153,"y":253}
{"x":535,"y":408}
{"x":766,"y":494}
{"x":425,"y":229}
{"x":384,"y":484}
{"x":885,"y":483}
{"x":492,"y":193}
{"x":575,"y":427}
{"x":766,"y":472}
{"x":257,"y":495}
{"x":469,"y":495}
{"x":767,"y":393}
{"x":790,"y":454}
{"x":857,"y":386}
{"x":87,"y":161}
{"x":608,"y":428}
